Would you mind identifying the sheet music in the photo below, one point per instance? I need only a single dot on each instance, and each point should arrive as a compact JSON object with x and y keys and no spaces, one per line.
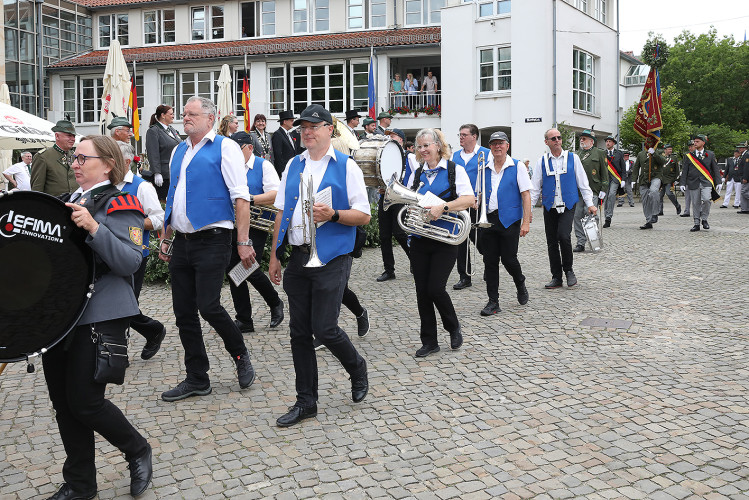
{"x":238,"y":273}
{"x":430,"y":200}
{"x":326,"y":198}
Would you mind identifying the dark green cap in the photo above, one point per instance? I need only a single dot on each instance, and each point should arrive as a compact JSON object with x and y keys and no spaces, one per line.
{"x":587,"y":133}
{"x":384,"y":115}
{"x":611,"y":138}
{"x":701,"y":137}
{"x":64,"y":126}
{"x":367,"y":121}
{"x":119,"y":121}
{"x":666,"y":146}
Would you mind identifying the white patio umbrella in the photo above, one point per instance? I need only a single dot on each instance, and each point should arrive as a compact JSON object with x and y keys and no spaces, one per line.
{"x":6,"y":155}
{"x":21,"y":130}
{"x":116,"y":85}
{"x":224,"y":101}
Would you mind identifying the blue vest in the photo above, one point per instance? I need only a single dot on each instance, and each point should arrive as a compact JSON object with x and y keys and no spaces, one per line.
{"x":569,"y":184}
{"x":509,"y":201}
{"x":255,"y":176}
{"x":132,"y":188}
{"x":440,"y":184}
{"x":211,"y":201}
{"x":472,"y":168}
{"x":333,"y":239}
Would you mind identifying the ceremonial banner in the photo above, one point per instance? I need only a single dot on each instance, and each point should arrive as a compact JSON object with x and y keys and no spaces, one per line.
{"x":246,"y":102}
{"x":133,"y":105}
{"x":648,"y":121}
{"x":372,"y":99}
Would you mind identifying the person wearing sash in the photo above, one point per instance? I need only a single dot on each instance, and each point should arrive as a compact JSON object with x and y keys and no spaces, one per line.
{"x":209,"y":175}
{"x":433,"y":260}
{"x":315,"y":293}
{"x":670,"y":174}
{"x":699,"y":174}
{"x":262,"y":181}
{"x":557,"y":177}
{"x":594,"y":162}
{"x":508,"y":206}
{"x":468,"y":158}
{"x":647,"y":173}
{"x":617,"y":172}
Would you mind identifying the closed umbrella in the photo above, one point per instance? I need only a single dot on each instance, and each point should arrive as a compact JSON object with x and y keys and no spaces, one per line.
{"x":223,"y":104}
{"x":116,"y":85}
{"x":6,"y":155}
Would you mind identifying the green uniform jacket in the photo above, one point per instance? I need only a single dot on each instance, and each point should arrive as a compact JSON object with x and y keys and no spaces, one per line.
{"x":643,"y":172}
{"x":51,"y":174}
{"x":670,"y":169}
{"x":594,"y":163}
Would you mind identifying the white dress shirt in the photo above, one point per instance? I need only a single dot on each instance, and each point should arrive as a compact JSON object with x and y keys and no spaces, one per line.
{"x":556,"y":162}
{"x":524,"y":181}
{"x":467,"y":156}
{"x":355,"y":187}
{"x":147,"y":196}
{"x":232,"y":170}
{"x":20,"y":173}
{"x":270,"y":176}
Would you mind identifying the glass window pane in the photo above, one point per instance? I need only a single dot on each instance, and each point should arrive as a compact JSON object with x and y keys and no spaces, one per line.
{"x":198,"y":23}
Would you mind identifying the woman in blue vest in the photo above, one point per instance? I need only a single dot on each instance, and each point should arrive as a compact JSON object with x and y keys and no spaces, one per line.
{"x":432,"y":260}
{"x":508,"y":206}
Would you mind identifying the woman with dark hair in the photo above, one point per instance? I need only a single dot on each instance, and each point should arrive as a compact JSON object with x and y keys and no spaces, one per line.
{"x":114,"y":223}
{"x":161,"y":139}
{"x":258,"y":130}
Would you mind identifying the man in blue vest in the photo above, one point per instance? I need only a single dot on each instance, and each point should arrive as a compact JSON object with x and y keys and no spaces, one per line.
{"x":557,"y":178}
{"x":469,"y":157}
{"x":315,"y":293}
{"x":153,"y":330}
{"x":508,"y":206}
{"x":207,"y":176}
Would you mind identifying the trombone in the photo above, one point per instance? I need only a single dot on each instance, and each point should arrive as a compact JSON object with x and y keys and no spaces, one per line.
{"x":483,"y":221}
{"x":307,"y":196}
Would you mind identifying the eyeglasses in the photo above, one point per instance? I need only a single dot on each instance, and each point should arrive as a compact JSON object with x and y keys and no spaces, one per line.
{"x":555,"y":138}
{"x":315,"y":128}
{"x":81,"y":159}
{"x":424,"y":146}
{"x":193,"y":115}
{"x":464,"y":135}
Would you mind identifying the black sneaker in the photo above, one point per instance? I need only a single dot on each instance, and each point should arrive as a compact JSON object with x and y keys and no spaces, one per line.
{"x":386,"y":276}
{"x":490,"y":308}
{"x":153,"y":345}
{"x":456,"y":339}
{"x":579,"y":248}
{"x":245,"y":327}
{"x":705,"y":225}
{"x":317,"y":344}
{"x":245,"y":371}
{"x":571,"y":278}
{"x":362,"y":323}
{"x":426,"y":350}
{"x":607,"y":223}
{"x":522,"y":294}
{"x":463,"y":283}
{"x":554,"y":283}
{"x":185,"y":390}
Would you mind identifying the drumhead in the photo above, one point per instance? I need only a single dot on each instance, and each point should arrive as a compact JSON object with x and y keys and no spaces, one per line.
{"x":48,"y":268}
{"x":391,"y":161}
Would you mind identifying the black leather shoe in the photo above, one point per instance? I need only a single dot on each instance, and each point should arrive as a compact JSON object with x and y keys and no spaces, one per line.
{"x":647,"y":225}
{"x":317,"y":344}
{"x":295,"y":415}
{"x":659,"y":214}
{"x":579,"y":248}
{"x":141,"y":470}
{"x":276,"y":314}
{"x":571,"y":278}
{"x":360,"y":385}
{"x":696,"y":227}
{"x":705,"y":225}
{"x":426,"y":350}
{"x":152,"y":346}
{"x":463,"y":283}
{"x":607,"y":223}
{"x":245,"y":327}
{"x":387,"y":275}
{"x":362,"y":323}
{"x":743,"y":212}
{"x":245,"y":371}
{"x":654,"y":219}
{"x":678,"y":209}
{"x":685,"y":214}
{"x":632,"y":205}
{"x":723,"y":206}
{"x":490,"y":308}
{"x":522,"y":294}
{"x":456,"y":339}
{"x":184,"y":390}
{"x":67,"y":493}
{"x":554,"y":283}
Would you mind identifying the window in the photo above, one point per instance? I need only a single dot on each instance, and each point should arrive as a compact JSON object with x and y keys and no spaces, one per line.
{"x":494,"y":7}
{"x":207,"y":22}
{"x":637,"y":75}
{"x":200,"y":83}
{"x":359,"y":86}
{"x":268,"y":19}
{"x":583,"y":81}
{"x":277,"y":96}
{"x":495,"y":69}
{"x":600,"y":11}
{"x":258,"y":18}
{"x":367,"y":14}
{"x":311,"y":15}
{"x":581,"y":4}
{"x":113,"y":27}
{"x":158,"y":26}
{"x":320,"y":84}
{"x":68,"y":99}
{"x":169,"y":91}
{"x":423,"y":11}
{"x":238,"y":85}
{"x":91,"y":92}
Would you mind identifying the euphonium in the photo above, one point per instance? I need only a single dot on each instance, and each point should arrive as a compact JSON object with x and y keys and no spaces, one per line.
{"x":414,"y":219}
{"x":257,"y":219}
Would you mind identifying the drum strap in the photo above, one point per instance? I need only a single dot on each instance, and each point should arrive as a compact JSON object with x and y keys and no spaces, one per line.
{"x":453,"y":193}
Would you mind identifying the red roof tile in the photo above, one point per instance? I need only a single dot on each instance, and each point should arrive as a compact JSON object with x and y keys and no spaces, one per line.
{"x":238,"y":48}
{"x":108,"y":3}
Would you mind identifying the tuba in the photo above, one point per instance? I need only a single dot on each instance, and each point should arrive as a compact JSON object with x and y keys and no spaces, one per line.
{"x":414,"y":219}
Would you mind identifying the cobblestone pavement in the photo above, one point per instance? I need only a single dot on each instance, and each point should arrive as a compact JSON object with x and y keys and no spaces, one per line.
{"x":634,"y":384}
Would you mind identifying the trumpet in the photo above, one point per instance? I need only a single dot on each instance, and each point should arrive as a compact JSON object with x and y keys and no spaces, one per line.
{"x":414,"y":219}
{"x":307,"y":195}
{"x":263,"y":217}
{"x":483,"y":221}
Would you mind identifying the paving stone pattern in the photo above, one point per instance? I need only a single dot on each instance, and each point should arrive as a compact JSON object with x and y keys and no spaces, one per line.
{"x":539,"y":402}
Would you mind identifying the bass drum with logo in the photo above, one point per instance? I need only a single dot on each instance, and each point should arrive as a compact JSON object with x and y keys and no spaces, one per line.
{"x":379,"y":158}
{"x":47,"y":274}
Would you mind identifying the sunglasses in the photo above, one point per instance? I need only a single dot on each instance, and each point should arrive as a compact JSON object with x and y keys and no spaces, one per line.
{"x":555,"y":138}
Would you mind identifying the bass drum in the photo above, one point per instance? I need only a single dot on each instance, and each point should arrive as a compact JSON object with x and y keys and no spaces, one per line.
{"x":379,"y":158}
{"x":48,"y":271}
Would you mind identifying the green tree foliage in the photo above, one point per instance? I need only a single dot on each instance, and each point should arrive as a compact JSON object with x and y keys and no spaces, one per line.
{"x":713,"y":77}
{"x":721,"y":138}
{"x":676,"y":128}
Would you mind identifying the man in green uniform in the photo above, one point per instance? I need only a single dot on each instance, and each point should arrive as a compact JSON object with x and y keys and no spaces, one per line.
{"x":50,"y":170}
{"x":121,"y":129}
{"x":670,"y":174}
{"x":594,"y":163}
{"x":648,"y":174}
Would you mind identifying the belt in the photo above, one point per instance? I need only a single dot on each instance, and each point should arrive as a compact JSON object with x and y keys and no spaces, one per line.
{"x":301,"y":248}
{"x":206,"y":233}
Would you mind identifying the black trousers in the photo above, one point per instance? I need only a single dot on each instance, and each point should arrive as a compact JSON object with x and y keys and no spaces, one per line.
{"x":315,"y":296}
{"x":163,"y":190}
{"x":432,"y":263}
{"x":259,"y":280}
{"x":558,"y":229}
{"x":499,"y":243}
{"x":351,"y":301}
{"x":146,"y":326}
{"x":80,"y":406}
{"x":464,"y":256}
{"x":389,"y":229}
{"x":197,"y":269}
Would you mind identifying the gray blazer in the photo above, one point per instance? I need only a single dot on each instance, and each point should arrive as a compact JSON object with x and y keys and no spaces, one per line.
{"x":159,"y":146}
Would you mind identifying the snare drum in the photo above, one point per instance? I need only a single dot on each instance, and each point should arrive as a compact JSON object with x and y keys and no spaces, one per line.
{"x":48,"y":271}
{"x":379,"y":158}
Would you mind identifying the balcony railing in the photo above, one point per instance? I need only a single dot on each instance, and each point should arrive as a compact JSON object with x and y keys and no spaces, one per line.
{"x":415,"y":104}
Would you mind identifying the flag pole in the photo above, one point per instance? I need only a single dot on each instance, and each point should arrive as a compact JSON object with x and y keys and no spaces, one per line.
{"x":134,"y":110}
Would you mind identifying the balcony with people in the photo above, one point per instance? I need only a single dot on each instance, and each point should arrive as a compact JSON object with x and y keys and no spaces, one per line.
{"x":416,"y":94}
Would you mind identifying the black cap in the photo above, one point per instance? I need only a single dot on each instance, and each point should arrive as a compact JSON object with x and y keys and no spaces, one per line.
{"x":285,"y":115}
{"x":498,"y":136}
{"x":397,"y":132}
{"x":351,"y":114}
{"x":242,"y":138}
{"x":610,"y":138}
{"x":314,"y":113}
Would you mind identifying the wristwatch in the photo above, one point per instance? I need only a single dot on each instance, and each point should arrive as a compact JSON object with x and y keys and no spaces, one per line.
{"x":335,"y":216}
{"x":445,"y":208}
{"x":247,"y":243}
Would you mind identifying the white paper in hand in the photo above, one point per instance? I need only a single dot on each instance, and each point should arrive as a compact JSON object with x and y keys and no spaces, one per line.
{"x":431,"y":200}
{"x":326,"y":198}
{"x":238,"y":273}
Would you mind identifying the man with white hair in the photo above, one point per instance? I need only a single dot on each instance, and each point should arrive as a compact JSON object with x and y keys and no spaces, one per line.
{"x":121,"y":129}
{"x":19,"y":174}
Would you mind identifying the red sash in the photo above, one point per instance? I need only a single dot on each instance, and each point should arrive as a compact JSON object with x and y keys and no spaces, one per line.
{"x":701,"y":168}
{"x":612,"y":170}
